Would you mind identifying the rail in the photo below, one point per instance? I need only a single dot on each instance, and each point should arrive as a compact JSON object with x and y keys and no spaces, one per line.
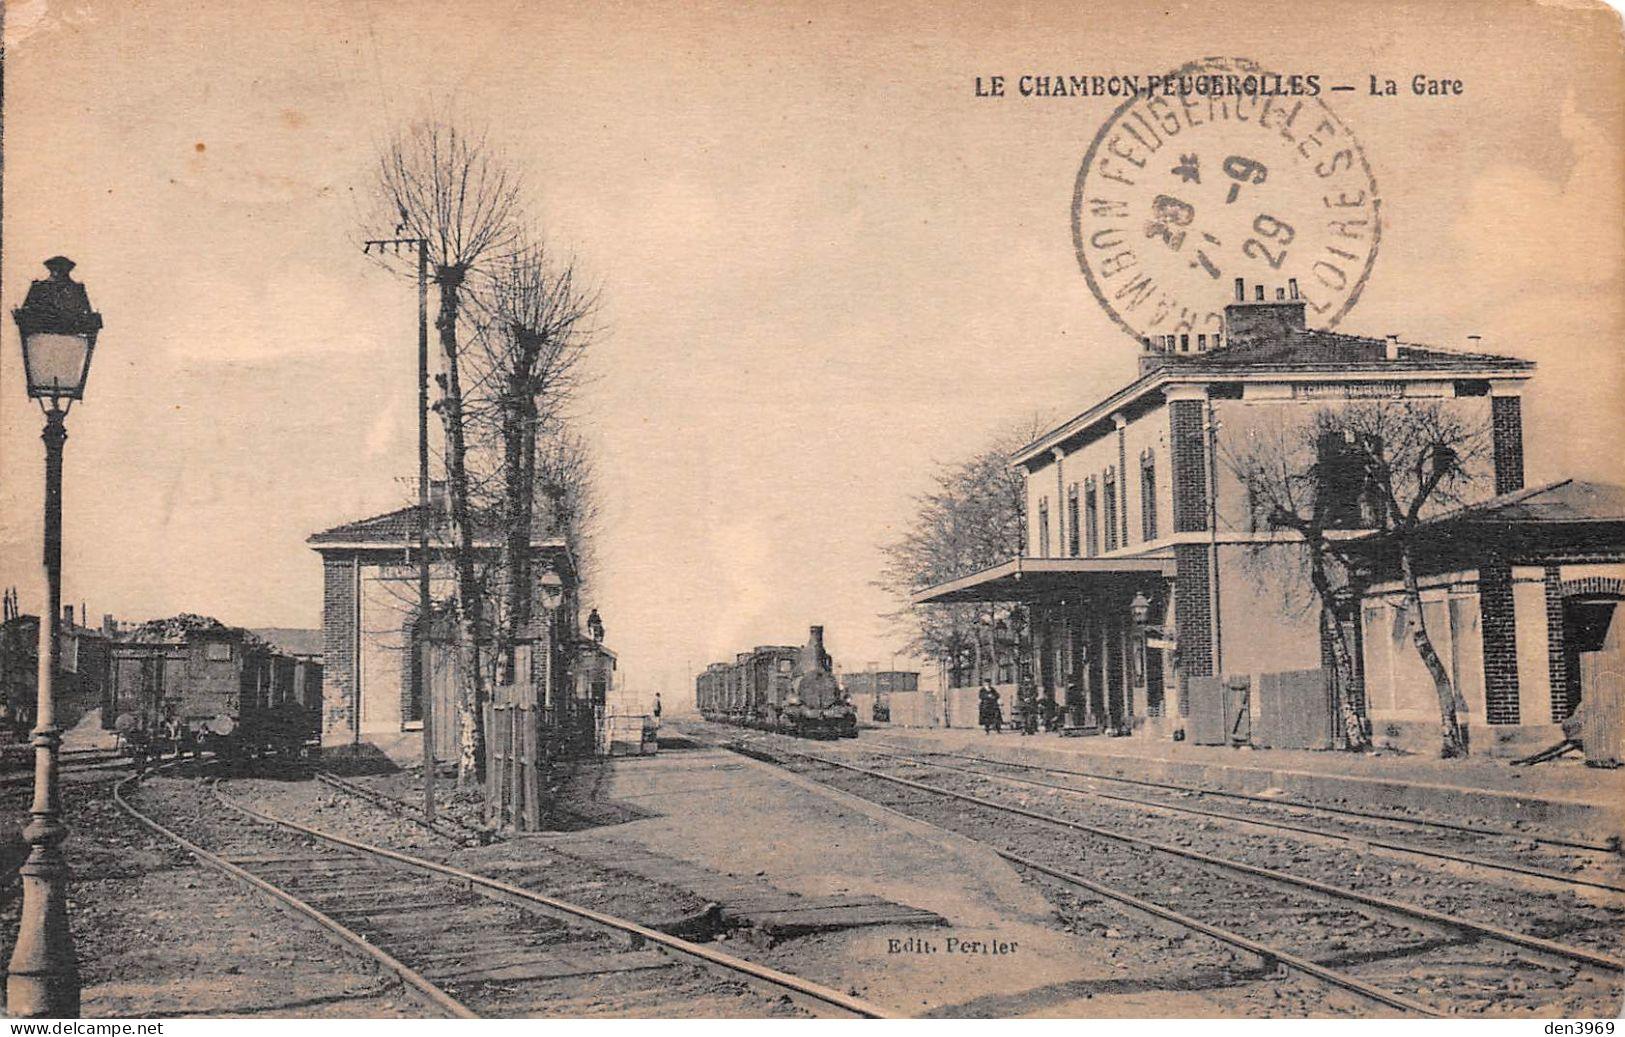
{"x":1355,"y":841}
{"x":1265,"y":952}
{"x":445,"y":1002}
{"x":1611,"y":847}
{"x":1325,"y":889}
{"x":500,"y":890}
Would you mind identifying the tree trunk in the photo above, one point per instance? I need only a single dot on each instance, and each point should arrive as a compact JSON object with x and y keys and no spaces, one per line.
{"x":516,"y":541}
{"x":470,"y":605}
{"x":1331,"y":626}
{"x":1453,"y":743}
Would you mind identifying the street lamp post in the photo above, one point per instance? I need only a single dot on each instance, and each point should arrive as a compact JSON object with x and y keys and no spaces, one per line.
{"x":59,"y":331}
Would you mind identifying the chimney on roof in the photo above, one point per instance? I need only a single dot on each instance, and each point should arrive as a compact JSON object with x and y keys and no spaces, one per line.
{"x":1391,"y":350}
{"x":1152,"y":356}
{"x":1292,"y":284}
{"x":109,"y":624}
{"x":67,"y":615}
{"x":1261,"y":321}
{"x":439,"y":497}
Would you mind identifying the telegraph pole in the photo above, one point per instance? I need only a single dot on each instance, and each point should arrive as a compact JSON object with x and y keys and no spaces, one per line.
{"x":421,"y":657}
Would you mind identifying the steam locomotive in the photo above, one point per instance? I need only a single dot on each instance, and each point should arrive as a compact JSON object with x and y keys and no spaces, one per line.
{"x":779,"y":688}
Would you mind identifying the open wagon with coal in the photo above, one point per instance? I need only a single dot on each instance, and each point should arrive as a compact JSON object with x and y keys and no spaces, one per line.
{"x":194,"y":684}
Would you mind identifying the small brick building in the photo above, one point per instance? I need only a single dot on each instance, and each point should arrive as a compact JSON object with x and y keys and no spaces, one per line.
{"x":1517,"y":593}
{"x":1131,"y":499}
{"x":369,"y":624}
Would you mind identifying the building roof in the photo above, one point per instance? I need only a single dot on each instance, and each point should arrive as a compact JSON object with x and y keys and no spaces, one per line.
{"x":1292,"y":353}
{"x":1312,"y":349}
{"x":1568,"y":500}
{"x":399,"y":529}
{"x":1562,"y":519}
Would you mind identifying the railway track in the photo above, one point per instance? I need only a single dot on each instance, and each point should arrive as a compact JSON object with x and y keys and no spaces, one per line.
{"x":1363,"y":836}
{"x":1395,"y":823}
{"x":471,"y":945}
{"x":1400,"y":955}
{"x":446,"y":827}
{"x":80,"y":770}
{"x":20,"y":765}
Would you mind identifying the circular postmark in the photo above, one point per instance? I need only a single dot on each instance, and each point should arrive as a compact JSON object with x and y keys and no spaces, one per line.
{"x":1215,"y":174}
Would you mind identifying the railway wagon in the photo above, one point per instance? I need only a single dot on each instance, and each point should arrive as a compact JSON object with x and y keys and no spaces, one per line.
{"x":81,"y":680}
{"x":778,"y":688}
{"x":219,"y":689}
{"x":748,"y":691}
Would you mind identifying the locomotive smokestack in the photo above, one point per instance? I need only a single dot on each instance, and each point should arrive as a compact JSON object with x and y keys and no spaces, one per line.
{"x":813,"y":658}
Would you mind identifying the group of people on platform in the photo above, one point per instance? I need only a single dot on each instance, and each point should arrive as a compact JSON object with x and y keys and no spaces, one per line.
{"x":1032,"y":709}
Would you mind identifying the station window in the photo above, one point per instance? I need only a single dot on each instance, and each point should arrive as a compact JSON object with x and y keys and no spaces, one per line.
{"x":1043,"y":528}
{"x":1091,"y":513}
{"x":1072,"y":521}
{"x":1148,"y":496}
{"x":1109,"y":492}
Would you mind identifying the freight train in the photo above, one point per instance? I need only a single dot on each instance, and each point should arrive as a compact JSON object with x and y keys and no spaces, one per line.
{"x":193,"y":684}
{"x":778,"y":688}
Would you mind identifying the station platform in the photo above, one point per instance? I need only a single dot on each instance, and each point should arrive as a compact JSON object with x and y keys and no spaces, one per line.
{"x":864,"y":899}
{"x":1560,"y":796}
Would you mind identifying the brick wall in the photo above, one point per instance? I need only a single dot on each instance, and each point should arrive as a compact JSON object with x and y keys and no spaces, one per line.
{"x":1557,"y":662}
{"x":1189,"y":456}
{"x":1506,"y":423}
{"x":1193,"y":616}
{"x":339,"y":617}
{"x":1122,"y":478}
{"x":1500,"y":632}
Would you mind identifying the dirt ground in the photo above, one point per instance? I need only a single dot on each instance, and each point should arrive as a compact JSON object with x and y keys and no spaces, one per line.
{"x":159,"y":936}
{"x":1070,"y":957}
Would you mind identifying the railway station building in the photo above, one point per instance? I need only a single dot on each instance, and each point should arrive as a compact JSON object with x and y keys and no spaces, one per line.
{"x":1157,"y":602}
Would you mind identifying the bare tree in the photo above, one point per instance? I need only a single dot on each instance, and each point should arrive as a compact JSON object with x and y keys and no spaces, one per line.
{"x":1293,"y":484}
{"x":566,"y":478}
{"x":973,"y":518}
{"x":1419,"y":457}
{"x":535,"y":325}
{"x":452,"y":189}
{"x":1386,"y":465}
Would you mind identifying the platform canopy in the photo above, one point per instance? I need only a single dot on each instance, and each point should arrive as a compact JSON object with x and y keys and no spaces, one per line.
{"x":1031,"y":579}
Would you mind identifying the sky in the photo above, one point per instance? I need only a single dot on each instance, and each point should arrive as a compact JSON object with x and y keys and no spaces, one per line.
{"x":827,"y":267}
